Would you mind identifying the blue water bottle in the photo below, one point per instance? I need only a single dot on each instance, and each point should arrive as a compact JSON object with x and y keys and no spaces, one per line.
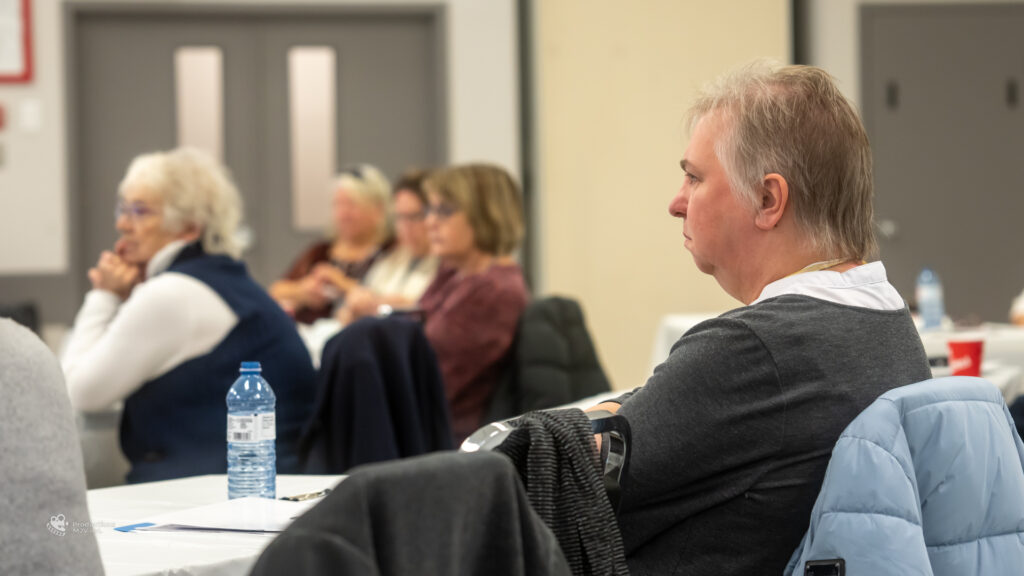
{"x":252,"y":459}
{"x":929,"y":300}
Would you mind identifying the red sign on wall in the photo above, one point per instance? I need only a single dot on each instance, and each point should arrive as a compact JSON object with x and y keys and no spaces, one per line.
{"x":16,"y":47}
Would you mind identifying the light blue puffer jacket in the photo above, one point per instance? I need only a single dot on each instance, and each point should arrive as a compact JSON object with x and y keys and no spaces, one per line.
{"x":928,"y":480}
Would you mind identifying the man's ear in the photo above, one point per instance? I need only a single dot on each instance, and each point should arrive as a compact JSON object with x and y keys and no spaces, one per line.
{"x":774,"y":201}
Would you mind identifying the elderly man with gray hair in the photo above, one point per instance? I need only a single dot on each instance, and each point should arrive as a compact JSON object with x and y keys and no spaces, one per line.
{"x":733,"y":433}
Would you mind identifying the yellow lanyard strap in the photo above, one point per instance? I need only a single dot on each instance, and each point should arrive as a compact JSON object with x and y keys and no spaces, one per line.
{"x":823,"y":265}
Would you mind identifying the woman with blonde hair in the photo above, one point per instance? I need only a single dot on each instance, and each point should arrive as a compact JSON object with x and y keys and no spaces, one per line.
{"x":399,"y":278}
{"x":320,"y":276}
{"x":475,"y":224}
{"x":171,"y":316}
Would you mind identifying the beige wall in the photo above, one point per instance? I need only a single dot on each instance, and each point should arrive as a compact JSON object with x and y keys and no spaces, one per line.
{"x":613,"y":81}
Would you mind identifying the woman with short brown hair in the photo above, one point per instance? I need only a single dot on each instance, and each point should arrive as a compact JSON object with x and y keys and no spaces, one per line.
{"x":475,"y":223}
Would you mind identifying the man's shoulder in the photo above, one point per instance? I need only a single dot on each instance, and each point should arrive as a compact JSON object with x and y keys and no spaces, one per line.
{"x":801,"y":307}
{"x":741,"y":322}
{"x":717,"y":342}
{"x":789,"y":319}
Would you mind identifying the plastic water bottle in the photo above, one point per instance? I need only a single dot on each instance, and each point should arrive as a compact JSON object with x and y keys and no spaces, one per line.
{"x":929,"y":300}
{"x":252,"y":459}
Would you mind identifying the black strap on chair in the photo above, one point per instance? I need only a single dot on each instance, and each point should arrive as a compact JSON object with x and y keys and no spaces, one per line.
{"x":553,"y":452}
{"x":834,"y":567}
{"x":615,"y":443}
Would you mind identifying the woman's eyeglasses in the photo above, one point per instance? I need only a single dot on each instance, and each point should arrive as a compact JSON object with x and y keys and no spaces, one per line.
{"x":133,"y":210}
{"x":442,"y":211}
{"x":418,"y":216}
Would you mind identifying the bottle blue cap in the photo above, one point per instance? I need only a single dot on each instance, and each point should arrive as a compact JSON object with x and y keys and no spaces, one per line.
{"x":251,"y":367}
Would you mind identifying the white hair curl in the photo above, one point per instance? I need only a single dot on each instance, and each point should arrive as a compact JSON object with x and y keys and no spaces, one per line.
{"x":195,"y":189}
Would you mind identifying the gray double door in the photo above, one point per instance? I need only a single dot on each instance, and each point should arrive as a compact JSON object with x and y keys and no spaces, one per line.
{"x":943,"y":99}
{"x":390,"y":112}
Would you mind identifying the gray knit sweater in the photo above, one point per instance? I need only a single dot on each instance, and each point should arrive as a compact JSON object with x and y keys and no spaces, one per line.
{"x":44,"y":521}
{"x":732,"y":434}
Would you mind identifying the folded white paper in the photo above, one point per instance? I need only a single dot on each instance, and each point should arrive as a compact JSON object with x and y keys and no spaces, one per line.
{"x":251,"y":515}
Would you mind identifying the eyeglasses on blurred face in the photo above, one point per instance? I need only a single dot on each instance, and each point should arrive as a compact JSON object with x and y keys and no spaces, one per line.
{"x":411,"y":217}
{"x":140,"y":223}
{"x":135,"y":211}
{"x":442,"y":211}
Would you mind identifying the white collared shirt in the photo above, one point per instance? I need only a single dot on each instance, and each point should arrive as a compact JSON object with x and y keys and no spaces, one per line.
{"x":116,"y":346}
{"x":865,"y":286}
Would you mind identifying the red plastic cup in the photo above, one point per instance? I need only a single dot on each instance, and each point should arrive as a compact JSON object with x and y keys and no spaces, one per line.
{"x":965,"y":352}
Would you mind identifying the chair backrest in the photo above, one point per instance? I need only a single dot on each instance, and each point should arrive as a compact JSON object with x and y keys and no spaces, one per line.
{"x":445,"y":513}
{"x":553,"y":361}
{"x":380,"y":396}
{"x":929,"y":479}
{"x":24,"y":313}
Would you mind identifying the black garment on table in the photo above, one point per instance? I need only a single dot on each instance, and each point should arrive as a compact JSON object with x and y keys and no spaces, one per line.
{"x":379,"y":397}
{"x":438,"y":514}
{"x":554,"y":361}
{"x":556,"y":456}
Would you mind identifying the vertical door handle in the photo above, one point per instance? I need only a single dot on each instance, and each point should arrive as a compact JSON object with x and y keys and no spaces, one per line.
{"x":892,"y":95}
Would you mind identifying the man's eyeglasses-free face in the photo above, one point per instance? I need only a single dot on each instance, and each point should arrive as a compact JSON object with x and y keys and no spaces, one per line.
{"x":135,"y":211}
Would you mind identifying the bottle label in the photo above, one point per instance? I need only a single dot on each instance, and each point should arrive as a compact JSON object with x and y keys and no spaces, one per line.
{"x":251,"y":427}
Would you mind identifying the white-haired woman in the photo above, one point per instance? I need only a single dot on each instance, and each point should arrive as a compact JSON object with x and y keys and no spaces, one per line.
{"x":322,"y":274}
{"x":171,"y":316}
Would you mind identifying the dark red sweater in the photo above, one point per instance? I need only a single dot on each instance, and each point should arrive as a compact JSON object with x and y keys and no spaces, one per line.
{"x":471,"y":322}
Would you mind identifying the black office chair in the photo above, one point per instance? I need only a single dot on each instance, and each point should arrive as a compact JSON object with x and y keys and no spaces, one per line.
{"x":24,"y":313}
{"x":553,"y":361}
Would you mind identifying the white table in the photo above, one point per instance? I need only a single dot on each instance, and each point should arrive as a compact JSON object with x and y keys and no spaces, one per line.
{"x":1002,"y":355}
{"x":1004,"y":343}
{"x":179,"y":553}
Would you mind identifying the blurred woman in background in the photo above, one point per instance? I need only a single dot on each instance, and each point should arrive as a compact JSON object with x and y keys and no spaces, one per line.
{"x":475,"y":224}
{"x":171,"y":316}
{"x":398,"y":278}
{"x":322,"y":275}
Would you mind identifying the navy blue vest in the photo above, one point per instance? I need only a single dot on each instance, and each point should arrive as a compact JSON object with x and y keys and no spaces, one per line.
{"x":175,"y":425}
